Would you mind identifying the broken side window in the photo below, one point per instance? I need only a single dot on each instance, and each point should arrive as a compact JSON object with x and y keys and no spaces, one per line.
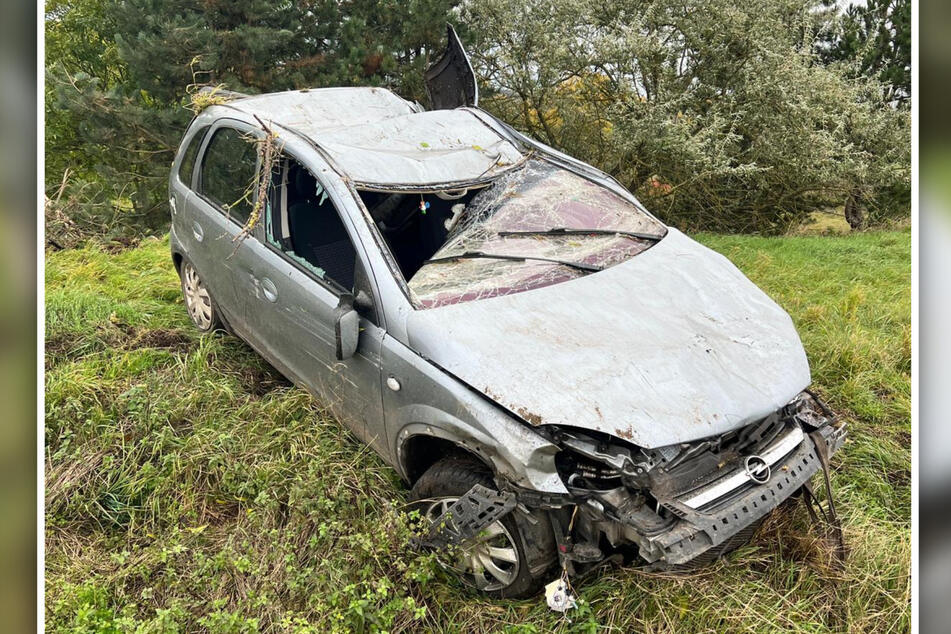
{"x":304,"y":223}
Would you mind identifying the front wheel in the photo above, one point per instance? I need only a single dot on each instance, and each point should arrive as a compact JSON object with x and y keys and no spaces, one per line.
{"x":510,"y":557}
{"x":198,"y":301}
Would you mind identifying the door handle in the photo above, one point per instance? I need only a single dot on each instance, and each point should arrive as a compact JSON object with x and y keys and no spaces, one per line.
{"x":263,"y":286}
{"x":198,"y":232}
{"x":269,"y":289}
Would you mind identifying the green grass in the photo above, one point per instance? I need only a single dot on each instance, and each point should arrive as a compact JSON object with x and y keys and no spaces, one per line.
{"x":189,"y":487}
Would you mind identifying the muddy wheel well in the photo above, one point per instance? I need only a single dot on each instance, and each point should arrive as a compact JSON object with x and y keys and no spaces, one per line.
{"x":420,"y":452}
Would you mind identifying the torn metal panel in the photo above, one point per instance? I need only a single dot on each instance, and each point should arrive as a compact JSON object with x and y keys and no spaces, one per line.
{"x":450,"y":80}
{"x":669,"y":346}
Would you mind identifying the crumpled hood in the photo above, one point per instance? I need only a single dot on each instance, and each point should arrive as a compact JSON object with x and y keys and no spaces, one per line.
{"x":670,"y":346}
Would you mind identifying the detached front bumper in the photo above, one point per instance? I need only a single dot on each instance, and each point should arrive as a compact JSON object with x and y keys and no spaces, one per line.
{"x":674,"y":525}
{"x":712,"y":516}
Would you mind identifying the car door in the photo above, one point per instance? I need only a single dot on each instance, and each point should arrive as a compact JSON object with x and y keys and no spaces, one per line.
{"x":217,"y":210}
{"x":290,"y":309}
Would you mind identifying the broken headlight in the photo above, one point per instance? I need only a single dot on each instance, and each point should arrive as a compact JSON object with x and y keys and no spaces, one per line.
{"x":580,"y":472}
{"x":599,"y":462}
{"x":809,"y":411}
{"x":594,"y":461}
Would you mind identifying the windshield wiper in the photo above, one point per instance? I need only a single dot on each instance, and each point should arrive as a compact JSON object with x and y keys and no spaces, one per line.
{"x":563,"y":231}
{"x":591,"y":268}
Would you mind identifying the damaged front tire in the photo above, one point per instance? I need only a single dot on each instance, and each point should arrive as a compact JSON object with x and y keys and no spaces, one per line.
{"x":510,"y":557}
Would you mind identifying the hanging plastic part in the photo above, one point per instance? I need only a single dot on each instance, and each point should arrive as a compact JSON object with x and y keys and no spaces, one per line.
{"x":457,"y":210}
{"x":559,"y":596}
{"x":830,"y":518}
{"x":423,"y":205}
{"x":467,"y":517}
{"x":449,"y":194}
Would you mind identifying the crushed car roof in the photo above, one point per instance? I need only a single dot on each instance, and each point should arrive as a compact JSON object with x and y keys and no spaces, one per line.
{"x":378,"y":139}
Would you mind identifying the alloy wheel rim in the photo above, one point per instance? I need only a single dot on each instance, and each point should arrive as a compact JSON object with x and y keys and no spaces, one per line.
{"x":197,"y":298}
{"x":488,"y":561}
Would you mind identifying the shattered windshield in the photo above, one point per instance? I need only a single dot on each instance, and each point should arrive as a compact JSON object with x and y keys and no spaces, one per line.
{"x":535,"y":226}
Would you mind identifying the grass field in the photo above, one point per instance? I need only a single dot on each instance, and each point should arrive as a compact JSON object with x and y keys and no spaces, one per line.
{"x":189,"y":487}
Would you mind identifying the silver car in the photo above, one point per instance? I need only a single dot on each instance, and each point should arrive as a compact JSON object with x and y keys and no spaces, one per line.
{"x":559,"y":376}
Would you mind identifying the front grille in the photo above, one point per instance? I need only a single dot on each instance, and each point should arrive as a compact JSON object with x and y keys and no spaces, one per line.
{"x":735,"y":483}
{"x":704,"y":528}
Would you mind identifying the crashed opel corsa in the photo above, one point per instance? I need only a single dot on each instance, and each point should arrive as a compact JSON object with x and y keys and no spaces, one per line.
{"x":559,"y":376}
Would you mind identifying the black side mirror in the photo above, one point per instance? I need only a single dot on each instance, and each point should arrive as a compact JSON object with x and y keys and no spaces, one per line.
{"x":346,"y":328}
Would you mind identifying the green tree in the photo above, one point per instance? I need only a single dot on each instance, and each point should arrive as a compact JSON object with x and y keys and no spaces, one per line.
{"x":874,"y":39}
{"x":119,"y":72}
{"x":717,"y":114}
{"x":78,"y":44}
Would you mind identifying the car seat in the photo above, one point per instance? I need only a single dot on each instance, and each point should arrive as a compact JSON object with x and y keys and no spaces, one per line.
{"x":317,"y":231}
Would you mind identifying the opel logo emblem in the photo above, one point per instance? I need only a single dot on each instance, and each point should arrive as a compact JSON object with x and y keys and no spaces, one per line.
{"x":757,"y":469}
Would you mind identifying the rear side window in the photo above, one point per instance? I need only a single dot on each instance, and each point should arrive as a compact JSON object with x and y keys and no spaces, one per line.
{"x":187,"y":167}
{"x":227,"y":173}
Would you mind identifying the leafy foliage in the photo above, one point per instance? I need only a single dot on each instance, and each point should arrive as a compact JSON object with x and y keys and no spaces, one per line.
{"x":725,"y":116}
{"x":874,"y":39}
{"x":717,"y":114}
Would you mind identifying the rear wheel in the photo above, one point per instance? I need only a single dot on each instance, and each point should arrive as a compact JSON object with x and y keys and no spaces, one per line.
{"x":500,"y":561}
{"x":198,"y":301}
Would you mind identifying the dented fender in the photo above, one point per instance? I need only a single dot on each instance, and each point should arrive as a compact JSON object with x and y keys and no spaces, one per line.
{"x":432,"y":403}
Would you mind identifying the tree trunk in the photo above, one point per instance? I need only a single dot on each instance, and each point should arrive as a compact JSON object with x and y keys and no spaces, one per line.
{"x":855,"y":210}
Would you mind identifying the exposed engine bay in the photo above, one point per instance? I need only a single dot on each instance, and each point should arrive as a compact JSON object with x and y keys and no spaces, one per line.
{"x":685,"y":503}
{"x":677,"y":502}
